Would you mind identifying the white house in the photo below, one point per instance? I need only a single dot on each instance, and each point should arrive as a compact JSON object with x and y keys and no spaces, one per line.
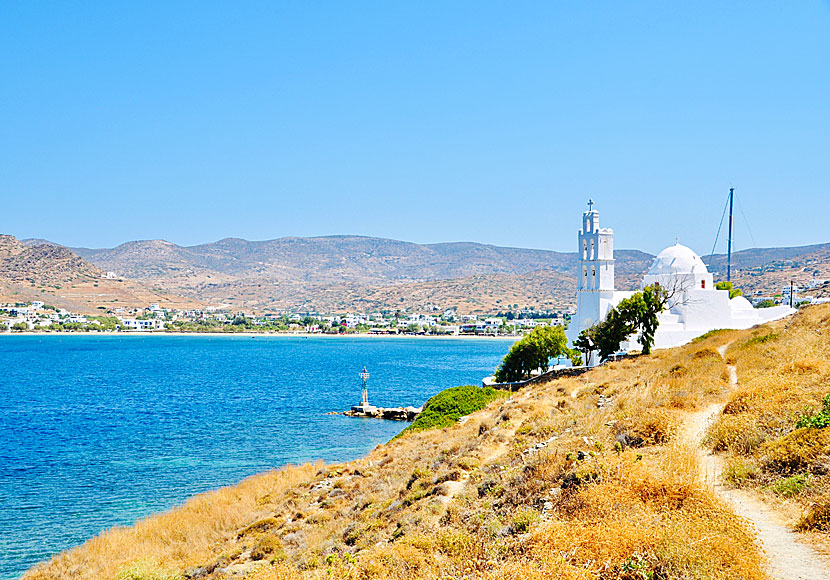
{"x":695,"y":306}
{"x":136,"y":324}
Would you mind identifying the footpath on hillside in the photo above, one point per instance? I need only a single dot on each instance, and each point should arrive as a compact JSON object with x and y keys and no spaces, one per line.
{"x":788,"y":558}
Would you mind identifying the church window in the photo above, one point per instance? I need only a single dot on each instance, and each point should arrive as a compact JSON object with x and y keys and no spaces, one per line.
{"x":584,"y":250}
{"x":584,"y":277}
{"x":593,"y":251}
{"x":593,"y":277}
{"x":703,"y":284}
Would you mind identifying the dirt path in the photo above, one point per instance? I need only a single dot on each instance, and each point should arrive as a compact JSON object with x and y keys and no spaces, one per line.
{"x":787,"y":557}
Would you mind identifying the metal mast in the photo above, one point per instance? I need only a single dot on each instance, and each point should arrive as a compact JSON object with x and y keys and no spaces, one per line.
{"x":729,"y":239}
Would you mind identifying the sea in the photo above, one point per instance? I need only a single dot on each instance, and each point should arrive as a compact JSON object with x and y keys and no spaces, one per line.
{"x":98,"y":431}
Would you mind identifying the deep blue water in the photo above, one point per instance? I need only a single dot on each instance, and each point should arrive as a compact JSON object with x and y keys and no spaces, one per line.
{"x":99,"y":431}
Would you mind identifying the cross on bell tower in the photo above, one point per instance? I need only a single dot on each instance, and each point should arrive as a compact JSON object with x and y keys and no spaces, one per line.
{"x":590,"y":204}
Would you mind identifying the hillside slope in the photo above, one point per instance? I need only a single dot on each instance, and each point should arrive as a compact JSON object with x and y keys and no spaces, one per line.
{"x":58,"y":276}
{"x":588,"y":477}
{"x":347,"y":273}
{"x":769,"y":270}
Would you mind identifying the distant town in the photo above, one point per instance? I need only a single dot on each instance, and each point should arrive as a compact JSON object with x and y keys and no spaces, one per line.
{"x":37,"y":316}
{"x":40,"y":317}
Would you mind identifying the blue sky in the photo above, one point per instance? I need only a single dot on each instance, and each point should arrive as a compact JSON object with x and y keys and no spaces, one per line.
{"x":482,"y":121}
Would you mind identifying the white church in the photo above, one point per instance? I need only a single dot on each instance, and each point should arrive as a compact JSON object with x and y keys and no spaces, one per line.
{"x":695,"y":307}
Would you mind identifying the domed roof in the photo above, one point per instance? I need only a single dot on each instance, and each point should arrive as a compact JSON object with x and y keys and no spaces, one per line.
{"x":740,"y":303}
{"x":677,"y":259}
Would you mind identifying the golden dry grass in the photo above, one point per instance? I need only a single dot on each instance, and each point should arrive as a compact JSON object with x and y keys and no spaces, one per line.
{"x":581,"y":477}
{"x":784,"y":372}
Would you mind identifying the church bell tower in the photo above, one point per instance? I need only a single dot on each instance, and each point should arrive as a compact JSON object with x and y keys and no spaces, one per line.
{"x":596,"y":254}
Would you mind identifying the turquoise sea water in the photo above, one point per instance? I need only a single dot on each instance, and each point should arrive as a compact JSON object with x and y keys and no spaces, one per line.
{"x":99,"y":431}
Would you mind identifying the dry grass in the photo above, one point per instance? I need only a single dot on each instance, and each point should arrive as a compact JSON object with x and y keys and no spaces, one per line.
{"x":784,"y":372}
{"x":181,"y":538}
{"x":580,"y":477}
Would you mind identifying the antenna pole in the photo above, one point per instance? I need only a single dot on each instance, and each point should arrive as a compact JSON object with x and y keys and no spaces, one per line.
{"x":729,"y":241}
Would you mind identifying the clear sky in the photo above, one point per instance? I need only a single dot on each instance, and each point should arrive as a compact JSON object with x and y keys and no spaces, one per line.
{"x":481,"y":121}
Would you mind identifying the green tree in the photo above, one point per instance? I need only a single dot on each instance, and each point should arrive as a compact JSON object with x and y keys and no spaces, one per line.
{"x":655,"y":300}
{"x":586,"y":342}
{"x":534,"y":351}
{"x":636,"y":314}
{"x":765,"y":303}
{"x":20,"y":326}
{"x":728,"y":286}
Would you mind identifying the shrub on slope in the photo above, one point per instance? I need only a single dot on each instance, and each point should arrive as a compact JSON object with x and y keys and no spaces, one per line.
{"x":445,"y":408}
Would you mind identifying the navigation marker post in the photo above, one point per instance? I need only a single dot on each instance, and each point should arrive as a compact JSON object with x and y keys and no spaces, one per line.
{"x":364,"y":396}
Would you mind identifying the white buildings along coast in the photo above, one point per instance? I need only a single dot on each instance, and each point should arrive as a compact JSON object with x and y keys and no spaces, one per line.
{"x":695,"y":306}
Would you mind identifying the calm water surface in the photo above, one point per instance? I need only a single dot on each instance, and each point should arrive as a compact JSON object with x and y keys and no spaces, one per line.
{"x":99,"y":431}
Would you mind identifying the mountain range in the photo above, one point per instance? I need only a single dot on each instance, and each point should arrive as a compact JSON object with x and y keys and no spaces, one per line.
{"x":356,"y":273}
{"x":341,"y":273}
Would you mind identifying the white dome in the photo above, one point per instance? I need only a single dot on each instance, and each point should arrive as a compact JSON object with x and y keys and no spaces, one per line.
{"x":677,"y":259}
{"x":739,"y":303}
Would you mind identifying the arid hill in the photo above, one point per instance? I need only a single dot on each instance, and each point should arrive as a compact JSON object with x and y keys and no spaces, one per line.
{"x":768,"y":270}
{"x":347,"y":273}
{"x":58,"y":276}
{"x":353,"y":273}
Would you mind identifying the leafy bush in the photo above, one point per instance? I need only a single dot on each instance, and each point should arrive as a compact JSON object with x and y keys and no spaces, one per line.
{"x":145,"y":570}
{"x":733,"y":292}
{"x":818,"y":420}
{"x":523,"y":519}
{"x":739,"y":471}
{"x":710,"y":334}
{"x":760,"y":339}
{"x":790,"y":486}
{"x":445,"y":408}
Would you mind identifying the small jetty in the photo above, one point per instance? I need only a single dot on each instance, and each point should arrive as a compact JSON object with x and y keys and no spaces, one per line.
{"x":391,"y":413}
{"x":368,"y":411}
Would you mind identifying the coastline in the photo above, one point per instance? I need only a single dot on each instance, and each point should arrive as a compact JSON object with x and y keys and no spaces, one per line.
{"x":266,"y":335}
{"x":248,"y":439}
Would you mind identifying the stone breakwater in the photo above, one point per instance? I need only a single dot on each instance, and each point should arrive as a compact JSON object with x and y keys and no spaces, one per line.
{"x":391,"y":413}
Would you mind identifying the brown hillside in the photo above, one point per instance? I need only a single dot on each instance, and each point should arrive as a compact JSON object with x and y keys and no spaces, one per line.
{"x":57,"y":276}
{"x":348,"y":273}
{"x":47,"y":265}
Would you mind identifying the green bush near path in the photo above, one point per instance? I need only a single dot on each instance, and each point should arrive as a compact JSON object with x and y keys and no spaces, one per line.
{"x":445,"y":408}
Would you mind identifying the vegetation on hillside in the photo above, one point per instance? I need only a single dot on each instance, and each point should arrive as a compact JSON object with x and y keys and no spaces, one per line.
{"x":445,"y":408}
{"x":634,"y":315}
{"x":774,"y":429}
{"x":534,"y":352}
{"x":733,"y":292}
{"x":584,"y":477}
